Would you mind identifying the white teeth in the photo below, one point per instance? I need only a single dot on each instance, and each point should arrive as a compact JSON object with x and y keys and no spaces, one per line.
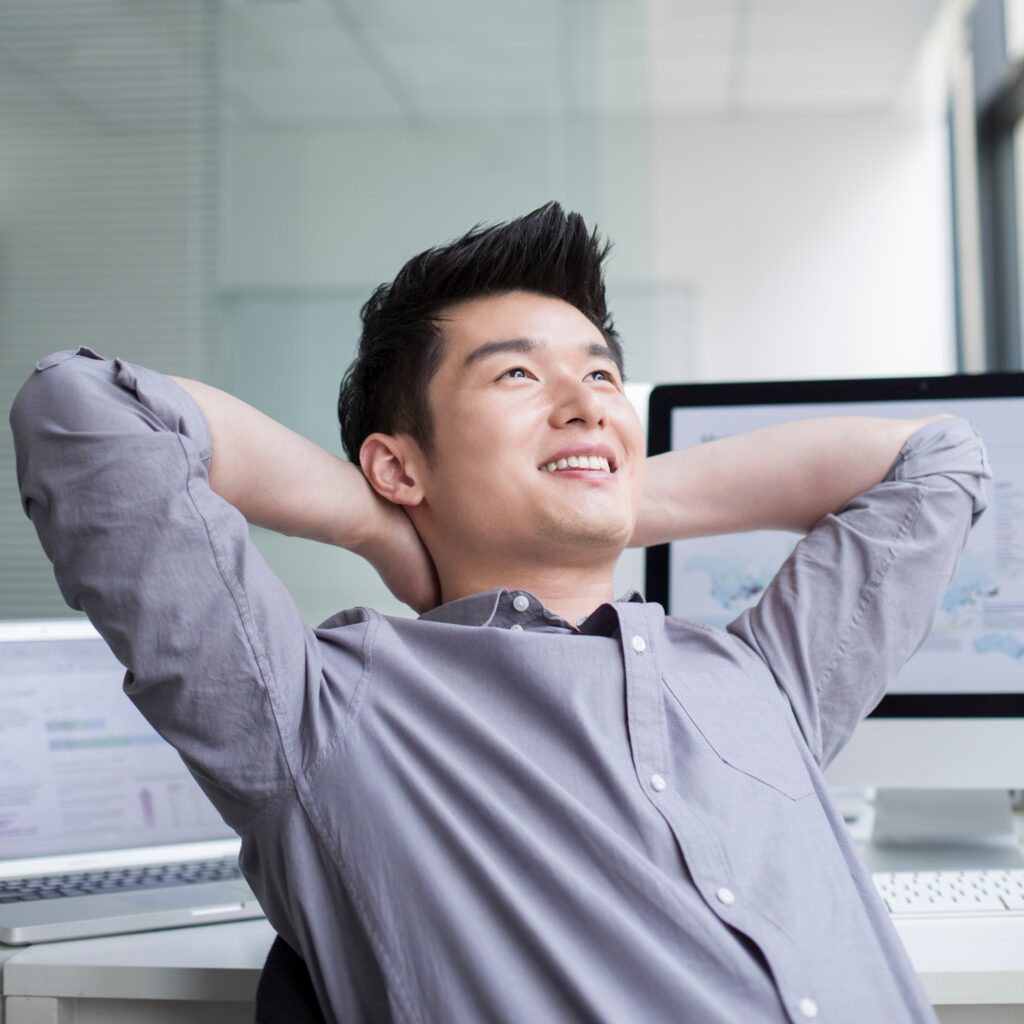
{"x":579,"y":462}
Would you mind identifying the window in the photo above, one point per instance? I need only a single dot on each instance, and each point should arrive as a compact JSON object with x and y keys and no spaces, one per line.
{"x":997,"y":43}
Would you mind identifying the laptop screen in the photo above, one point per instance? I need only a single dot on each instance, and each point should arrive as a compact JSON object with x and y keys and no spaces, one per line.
{"x":80,"y":769}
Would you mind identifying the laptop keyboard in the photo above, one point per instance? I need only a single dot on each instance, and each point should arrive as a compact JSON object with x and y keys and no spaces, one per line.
{"x":114,"y":880}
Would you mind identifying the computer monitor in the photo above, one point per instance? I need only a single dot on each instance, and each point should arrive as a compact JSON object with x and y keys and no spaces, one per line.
{"x":946,"y":743}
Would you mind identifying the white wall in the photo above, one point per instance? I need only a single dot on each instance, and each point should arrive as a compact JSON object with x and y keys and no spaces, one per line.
{"x":818,"y":245}
{"x":811,"y":244}
{"x":322,"y":209}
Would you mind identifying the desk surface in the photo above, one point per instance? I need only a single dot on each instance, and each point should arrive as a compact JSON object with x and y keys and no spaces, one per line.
{"x":214,"y":962}
{"x":975,"y":961}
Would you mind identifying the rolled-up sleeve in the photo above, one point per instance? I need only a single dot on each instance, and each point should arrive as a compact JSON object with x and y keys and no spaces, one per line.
{"x":859,"y":594}
{"x":112,"y":464}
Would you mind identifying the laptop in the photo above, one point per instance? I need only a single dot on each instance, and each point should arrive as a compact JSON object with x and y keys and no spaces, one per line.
{"x":102,"y":828}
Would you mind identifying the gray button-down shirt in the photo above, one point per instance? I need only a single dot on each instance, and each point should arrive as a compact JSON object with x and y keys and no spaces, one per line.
{"x":488,"y":813}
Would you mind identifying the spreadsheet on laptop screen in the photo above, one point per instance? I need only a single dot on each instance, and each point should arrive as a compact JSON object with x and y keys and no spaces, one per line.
{"x":80,"y":768}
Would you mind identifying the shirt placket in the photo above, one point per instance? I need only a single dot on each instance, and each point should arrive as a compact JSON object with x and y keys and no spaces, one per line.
{"x":640,"y":631}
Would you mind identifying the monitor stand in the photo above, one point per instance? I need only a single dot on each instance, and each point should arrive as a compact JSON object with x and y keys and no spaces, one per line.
{"x":942,"y":830}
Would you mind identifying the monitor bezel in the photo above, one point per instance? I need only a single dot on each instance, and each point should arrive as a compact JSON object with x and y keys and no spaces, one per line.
{"x":666,"y":397}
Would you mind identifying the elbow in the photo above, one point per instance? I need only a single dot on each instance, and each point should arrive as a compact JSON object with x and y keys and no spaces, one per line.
{"x":57,"y":393}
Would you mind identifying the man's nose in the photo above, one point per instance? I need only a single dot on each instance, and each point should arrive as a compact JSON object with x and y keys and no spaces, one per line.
{"x":577,"y":400}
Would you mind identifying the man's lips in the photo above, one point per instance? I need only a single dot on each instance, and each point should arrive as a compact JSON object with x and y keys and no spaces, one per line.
{"x":592,"y":476}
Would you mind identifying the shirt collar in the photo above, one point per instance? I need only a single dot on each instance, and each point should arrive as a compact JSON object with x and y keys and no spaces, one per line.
{"x":499,"y":608}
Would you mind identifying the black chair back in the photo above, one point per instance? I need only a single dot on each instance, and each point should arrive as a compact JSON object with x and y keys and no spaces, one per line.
{"x":285,"y":992}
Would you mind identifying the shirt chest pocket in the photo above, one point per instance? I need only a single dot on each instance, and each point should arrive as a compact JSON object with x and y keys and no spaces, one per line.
{"x":745,"y":728}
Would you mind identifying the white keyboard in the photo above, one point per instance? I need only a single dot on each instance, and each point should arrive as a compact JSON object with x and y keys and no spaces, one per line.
{"x":918,"y":893}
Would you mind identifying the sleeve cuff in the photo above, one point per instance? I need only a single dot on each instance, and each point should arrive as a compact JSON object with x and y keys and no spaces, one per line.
{"x":951,"y":448}
{"x":169,"y":402}
{"x":162,"y":397}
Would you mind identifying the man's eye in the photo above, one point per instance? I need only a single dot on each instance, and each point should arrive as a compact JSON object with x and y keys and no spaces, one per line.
{"x":520,"y":373}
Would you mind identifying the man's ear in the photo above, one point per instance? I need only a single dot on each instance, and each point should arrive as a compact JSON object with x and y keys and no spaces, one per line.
{"x":391,"y":464}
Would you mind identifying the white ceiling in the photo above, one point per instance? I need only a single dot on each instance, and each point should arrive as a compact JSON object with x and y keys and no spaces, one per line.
{"x":307,"y":63}
{"x":129,"y":65}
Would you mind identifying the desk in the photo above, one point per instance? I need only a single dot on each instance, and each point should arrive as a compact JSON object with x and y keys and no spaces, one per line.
{"x":972,"y":970}
{"x":200,"y":975}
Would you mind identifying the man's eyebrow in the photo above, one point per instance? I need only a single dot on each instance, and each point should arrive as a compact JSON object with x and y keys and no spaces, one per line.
{"x":591,"y":348}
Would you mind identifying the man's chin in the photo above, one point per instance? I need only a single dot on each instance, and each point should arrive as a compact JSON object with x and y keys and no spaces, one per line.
{"x":590,"y":535}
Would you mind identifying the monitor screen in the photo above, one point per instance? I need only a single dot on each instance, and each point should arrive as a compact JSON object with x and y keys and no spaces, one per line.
{"x":81,"y":768}
{"x":972,"y":663}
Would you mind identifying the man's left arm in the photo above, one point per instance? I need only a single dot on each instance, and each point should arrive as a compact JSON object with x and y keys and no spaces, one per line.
{"x":888,"y":504}
{"x":783,"y":477}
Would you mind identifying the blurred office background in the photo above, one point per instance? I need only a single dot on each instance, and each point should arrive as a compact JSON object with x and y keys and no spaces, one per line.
{"x":795,"y":188}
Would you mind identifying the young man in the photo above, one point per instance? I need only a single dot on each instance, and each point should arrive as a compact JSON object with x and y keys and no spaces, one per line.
{"x":532,"y":802}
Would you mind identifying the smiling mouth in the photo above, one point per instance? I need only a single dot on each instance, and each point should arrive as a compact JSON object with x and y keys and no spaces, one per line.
{"x":586,"y":463}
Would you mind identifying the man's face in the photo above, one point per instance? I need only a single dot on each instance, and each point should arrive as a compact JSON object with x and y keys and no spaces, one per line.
{"x":526,"y":381}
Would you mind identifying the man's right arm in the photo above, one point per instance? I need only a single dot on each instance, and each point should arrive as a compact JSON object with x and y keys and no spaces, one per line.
{"x":283,"y":481}
{"x":113,"y":463}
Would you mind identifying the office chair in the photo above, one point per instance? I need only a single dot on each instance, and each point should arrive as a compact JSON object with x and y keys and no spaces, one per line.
{"x":285,"y":993}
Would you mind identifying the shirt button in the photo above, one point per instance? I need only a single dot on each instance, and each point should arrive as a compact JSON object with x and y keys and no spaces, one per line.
{"x":728,"y":897}
{"x":520,"y":603}
{"x":516,"y":628}
{"x":658,"y":782}
{"x":808,"y":1007}
{"x":638,"y":644}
